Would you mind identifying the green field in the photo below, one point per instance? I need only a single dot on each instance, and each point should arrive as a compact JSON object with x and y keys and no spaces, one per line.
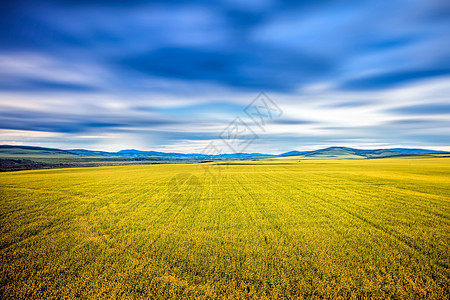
{"x":269,"y":230}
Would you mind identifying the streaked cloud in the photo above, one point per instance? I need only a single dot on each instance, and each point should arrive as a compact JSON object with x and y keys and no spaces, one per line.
{"x":172,"y":75}
{"x":423,"y":109}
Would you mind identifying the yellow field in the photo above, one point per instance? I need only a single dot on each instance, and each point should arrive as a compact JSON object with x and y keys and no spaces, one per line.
{"x":270,"y":230}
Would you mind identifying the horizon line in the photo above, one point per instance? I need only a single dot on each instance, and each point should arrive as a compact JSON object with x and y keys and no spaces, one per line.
{"x":231,"y":153}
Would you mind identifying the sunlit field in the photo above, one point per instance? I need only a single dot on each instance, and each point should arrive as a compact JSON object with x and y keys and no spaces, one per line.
{"x":270,"y":230}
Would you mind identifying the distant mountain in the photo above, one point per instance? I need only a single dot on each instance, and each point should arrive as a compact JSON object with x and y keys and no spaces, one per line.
{"x":414,"y":151}
{"x":292,"y":153}
{"x":344,"y":152}
{"x":349,"y":153}
{"x":333,"y":153}
{"x":327,"y":153}
{"x":169,"y":155}
{"x":14,"y":150}
{"x":83,"y":152}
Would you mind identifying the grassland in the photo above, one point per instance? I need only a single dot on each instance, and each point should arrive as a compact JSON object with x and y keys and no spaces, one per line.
{"x":269,"y":230}
{"x":24,"y":159}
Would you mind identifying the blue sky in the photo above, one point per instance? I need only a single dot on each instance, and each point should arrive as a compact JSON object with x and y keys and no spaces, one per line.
{"x":172,"y":75}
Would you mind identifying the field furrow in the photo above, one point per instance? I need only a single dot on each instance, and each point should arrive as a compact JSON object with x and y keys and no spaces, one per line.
{"x":376,"y":229}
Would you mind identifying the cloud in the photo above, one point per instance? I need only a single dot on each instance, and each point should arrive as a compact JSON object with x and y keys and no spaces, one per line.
{"x":176,"y":72}
{"x":36,"y":85}
{"x":423,"y":109}
{"x":285,"y":121}
{"x":30,"y":120}
{"x":349,"y":104}
{"x":393,"y":79}
{"x":239,"y":69}
{"x":267,"y":45}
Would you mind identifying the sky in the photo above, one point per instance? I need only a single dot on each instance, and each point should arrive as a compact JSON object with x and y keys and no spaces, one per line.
{"x":189,"y":76}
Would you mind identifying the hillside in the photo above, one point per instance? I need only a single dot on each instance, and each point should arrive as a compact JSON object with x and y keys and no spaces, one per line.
{"x":23,"y":151}
{"x":16,"y":158}
{"x":352,"y":153}
{"x":27,"y":157}
{"x":169,"y":155}
{"x":343,"y":153}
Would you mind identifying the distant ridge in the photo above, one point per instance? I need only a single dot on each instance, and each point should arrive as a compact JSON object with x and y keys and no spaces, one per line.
{"x":414,"y":151}
{"x":326,"y":153}
{"x":292,"y":153}
{"x":344,"y":151}
{"x":31,"y":150}
{"x":169,"y":155}
{"x":349,"y":153}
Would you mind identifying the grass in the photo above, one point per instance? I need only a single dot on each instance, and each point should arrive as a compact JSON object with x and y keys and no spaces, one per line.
{"x":269,"y":230}
{"x":10,"y":161}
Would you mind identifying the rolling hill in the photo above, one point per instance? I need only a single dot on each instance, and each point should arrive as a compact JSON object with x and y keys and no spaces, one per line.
{"x":170,"y":155}
{"x":23,"y":151}
{"x":342,"y":153}
{"x":352,"y":153}
{"x":28,"y":157}
{"x":16,"y":158}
